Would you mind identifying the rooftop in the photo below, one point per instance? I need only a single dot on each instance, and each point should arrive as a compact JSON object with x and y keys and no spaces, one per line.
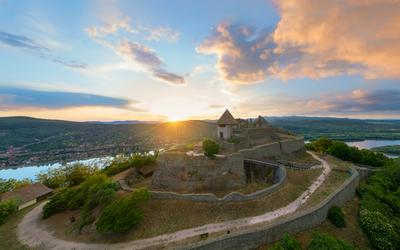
{"x":27,"y":193}
{"x":227,"y":119}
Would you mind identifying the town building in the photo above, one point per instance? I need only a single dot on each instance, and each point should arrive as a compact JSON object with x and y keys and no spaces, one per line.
{"x":28,"y":195}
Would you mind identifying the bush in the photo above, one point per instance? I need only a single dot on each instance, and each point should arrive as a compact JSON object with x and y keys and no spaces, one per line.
{"x":11,"y":184}
{"x":336,"y":216}
{"x":122,"y":163}
{"x":122,"y":215}
{"x":7,"y":208}
{"x":96,"y":190}
{"x":341,"y":150}
{"x":210,"y":148}
{"x":58,"y":202}
{"x":66,"y":176}
{"x":379,"y":230}
{"x":287,"y":243}
{"x":322,"y":241}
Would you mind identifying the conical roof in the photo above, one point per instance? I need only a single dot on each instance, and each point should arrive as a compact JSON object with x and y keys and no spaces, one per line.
{"x":226,"y":119}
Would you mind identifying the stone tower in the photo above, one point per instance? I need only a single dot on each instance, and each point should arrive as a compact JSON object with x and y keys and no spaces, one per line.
{"x":226,"y":125}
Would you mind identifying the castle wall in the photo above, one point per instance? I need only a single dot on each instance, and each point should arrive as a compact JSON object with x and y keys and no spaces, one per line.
{"x":182,"y":173}
{"x":256,"y":236}
{"x":274,"y":149}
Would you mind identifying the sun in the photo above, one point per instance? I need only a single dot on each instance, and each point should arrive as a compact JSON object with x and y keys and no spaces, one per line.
{"x":175,"y":118}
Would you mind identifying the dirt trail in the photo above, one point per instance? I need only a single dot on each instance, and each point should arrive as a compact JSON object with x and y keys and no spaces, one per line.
{"x":33,"y":234}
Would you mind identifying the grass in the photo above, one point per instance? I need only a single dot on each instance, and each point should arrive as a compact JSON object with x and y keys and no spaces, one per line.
{"x":8,"y":231}
{"x":166,"y":216}
{"x":335,"y":179}
{"x":352,"y":233}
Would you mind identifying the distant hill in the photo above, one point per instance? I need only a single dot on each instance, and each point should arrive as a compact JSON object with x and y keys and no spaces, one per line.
{"x":42,"y":134}
{"x":338,"y":128}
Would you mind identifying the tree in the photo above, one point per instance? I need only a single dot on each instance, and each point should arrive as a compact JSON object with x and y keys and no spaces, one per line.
{"x":122,"y":215}
{"x":7,"y":208}
{"x":336,"y":216}
{"x":210,"y":148}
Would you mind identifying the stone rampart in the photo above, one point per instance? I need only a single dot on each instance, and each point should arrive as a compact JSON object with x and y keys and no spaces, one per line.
{"x":254,"y":237}
{"x":280,"y":175}
{"x":274,"y":149}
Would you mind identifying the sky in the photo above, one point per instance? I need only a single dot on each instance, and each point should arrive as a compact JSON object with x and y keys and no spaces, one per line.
{"x":186,"y":59}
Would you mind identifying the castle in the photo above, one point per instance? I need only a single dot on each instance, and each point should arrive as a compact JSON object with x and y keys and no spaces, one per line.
{"x":240,"y":140}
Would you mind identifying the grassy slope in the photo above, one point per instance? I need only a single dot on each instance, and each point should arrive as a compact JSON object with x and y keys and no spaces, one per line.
{"x":8,"y":231}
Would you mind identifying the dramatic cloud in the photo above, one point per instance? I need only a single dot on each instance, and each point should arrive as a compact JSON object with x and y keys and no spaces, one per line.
{"x":313,"y":39}
{"x":14,"y":98}
{"x":148,"y":60}
{"x":329,"y":34}
{"x":359,"y":101}
{"x":243,"y":55}
{"x":26,"y":43}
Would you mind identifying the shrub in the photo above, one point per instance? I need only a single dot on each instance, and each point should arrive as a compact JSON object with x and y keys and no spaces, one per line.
{"x":58,"y":202}
{"x":210,"y":148}
{"x":122,"y":163}
{"x":378,"y":229}
{"x":66,"y":176}
{"x":336,"y":216}
{"x":11,"y":184}
{"x":122,"y":215}
{"x":322,"y":241}
{"x":96,"y":190}
{"x":7,"y":208}
{"x":287,"y":243}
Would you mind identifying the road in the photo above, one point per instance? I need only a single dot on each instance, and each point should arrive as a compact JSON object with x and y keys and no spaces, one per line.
{"x":35,"y":235}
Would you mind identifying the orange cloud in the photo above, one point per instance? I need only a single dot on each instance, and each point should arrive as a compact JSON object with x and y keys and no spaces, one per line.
{"x":362,"y":35}
{"x":313,"y":39}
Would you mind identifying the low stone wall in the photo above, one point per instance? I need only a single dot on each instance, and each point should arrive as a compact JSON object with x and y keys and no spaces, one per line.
{"x":297,"y":165}
{"x":280,"y":175}
{"x":252,"y":238}
{"x":274,"y":149}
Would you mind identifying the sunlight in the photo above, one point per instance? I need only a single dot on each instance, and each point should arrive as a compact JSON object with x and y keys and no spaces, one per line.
{"x":175,"y":118}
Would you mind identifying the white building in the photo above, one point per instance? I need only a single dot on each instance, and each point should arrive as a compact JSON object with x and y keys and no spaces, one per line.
{"x":226,"y":125}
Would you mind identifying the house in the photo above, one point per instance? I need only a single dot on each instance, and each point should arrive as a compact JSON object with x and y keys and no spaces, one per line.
{"x":226,"y":125}
{"x":28,"y":195}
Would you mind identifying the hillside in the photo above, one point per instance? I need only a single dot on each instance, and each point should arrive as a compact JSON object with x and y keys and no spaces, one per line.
{"x":52,"y":140}
{"x":338,"y":128}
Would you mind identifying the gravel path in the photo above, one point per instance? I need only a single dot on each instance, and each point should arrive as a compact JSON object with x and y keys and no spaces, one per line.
{"x":35,"y":235}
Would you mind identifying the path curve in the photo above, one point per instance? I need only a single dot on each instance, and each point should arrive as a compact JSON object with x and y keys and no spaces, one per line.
{"x":35,"y":235}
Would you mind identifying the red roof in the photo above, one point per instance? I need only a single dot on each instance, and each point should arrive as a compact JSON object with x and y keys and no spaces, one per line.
{"x":27,"y":193}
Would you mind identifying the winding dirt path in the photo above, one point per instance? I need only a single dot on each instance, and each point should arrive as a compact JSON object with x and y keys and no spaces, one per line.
{"x":35,"y":235}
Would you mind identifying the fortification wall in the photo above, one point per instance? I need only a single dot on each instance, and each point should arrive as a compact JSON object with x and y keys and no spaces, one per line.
{"x":252,"y":238}
{"x":292,"y":146}
{"x":274,"y":149}
{"x":183,"y":173}
{"x":280,"y":175}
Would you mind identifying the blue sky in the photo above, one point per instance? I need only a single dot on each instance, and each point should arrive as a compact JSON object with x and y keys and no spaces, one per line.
{"x":168,"y":60}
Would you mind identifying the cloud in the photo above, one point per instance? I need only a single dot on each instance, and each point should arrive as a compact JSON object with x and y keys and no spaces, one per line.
{"x":110,"y":27}
{"x":362,"y":34}
{"x":159,"y":33}
{"x":26,"y":43}
{"x":216,"y":106}
{"x":243,"y":55}
{"x":359,"y":101}
{"x":350,"y":37}
{"x":123,"y":23}
{"x":148,"y":60}
{"x":16,"y":98}
{"x":70,"y":63}
{"x":20,"y":42}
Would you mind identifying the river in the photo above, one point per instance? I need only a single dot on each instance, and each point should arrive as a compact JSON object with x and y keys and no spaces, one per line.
{"x":30,"y":172}
{"x":368,"y":144}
